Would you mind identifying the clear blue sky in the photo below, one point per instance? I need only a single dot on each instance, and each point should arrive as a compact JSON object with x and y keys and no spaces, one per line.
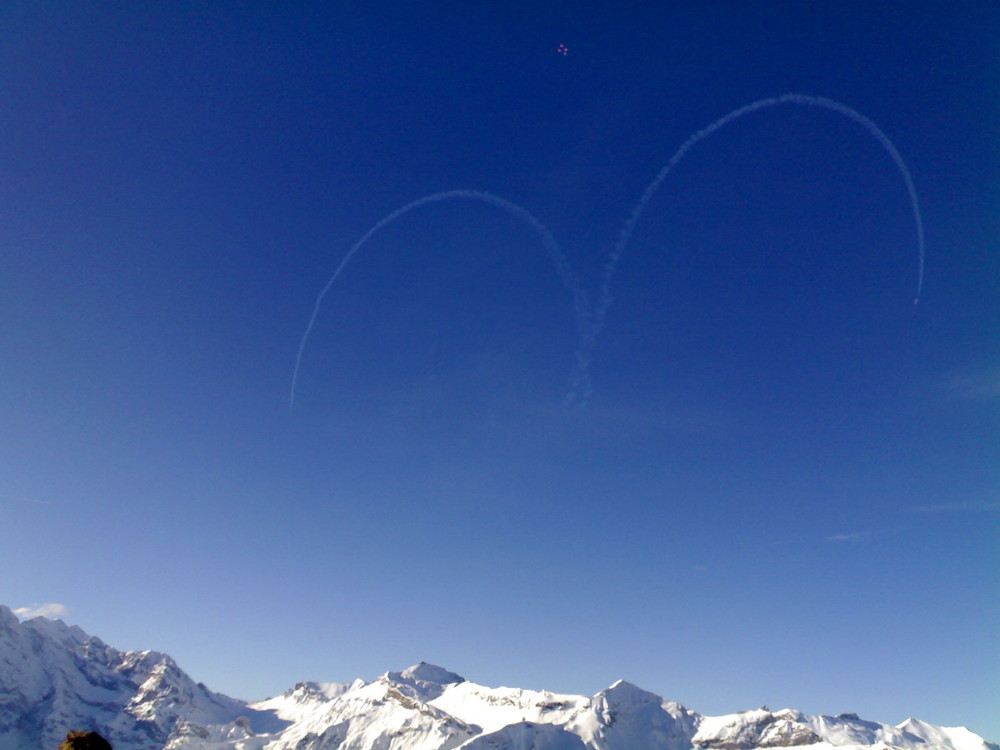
{"x":784,"y":486}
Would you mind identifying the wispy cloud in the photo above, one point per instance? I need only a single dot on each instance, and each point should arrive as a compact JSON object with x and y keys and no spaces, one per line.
{"x":957,"y":507}
{"x":22,"y":499}
{"x":49,"y":609}
{"x":975,"y":385}
{"x":857,"y":536}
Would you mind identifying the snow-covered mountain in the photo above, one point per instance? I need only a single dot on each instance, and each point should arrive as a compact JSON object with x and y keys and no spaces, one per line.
{"x":54,"y":677}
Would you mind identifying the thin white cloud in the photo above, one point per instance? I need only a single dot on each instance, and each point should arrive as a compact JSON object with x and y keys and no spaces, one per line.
{"x":21,"y":499}
{"x":956,"y":507}
{"x":857,"y":536}
{"x":975,"y":385}
{"x":49,"y":609}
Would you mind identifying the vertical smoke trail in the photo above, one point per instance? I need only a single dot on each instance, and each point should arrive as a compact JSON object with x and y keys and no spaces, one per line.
{"x":589,"y":339}
{"x":551,"y":247}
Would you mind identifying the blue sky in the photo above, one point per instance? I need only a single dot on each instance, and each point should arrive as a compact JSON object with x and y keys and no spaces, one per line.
{"x":783,"y":487}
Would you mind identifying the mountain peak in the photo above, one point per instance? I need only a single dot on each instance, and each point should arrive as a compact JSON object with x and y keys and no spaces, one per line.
{"x":622,"y":693}
{"x":423,"y":682}
{"x":425,"y":672}
{"x":56,"y":676}
{"x":7,"y":617}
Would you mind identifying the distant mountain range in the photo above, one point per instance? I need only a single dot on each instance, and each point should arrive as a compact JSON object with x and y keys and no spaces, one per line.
{"x":54,"y":677}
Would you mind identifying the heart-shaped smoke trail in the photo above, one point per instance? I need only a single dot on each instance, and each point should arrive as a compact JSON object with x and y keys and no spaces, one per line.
{"x":566,"y":275}
{"x":590,"y":322}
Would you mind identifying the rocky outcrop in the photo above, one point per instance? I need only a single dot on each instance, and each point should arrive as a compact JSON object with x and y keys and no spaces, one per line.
{"x":755,"y":729}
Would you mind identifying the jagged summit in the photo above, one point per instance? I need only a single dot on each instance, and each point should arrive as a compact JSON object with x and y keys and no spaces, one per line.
{"x":759,"y":728}
{"x":55,"y":677}
{"x":319,"y":691}
{"x":50,"y":628}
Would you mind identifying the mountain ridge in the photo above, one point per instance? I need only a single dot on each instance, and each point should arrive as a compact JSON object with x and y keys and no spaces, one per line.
{"x":55,"y":677}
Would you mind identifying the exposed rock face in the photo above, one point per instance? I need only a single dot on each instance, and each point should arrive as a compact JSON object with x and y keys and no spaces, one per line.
{"x":54,"y":677}
{"x":756,"y":729}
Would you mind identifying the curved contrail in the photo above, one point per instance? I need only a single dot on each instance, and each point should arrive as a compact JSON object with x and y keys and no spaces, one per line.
{"x":590,"y":322}
{"x":551,"y":247}
{"x":588,"y":340}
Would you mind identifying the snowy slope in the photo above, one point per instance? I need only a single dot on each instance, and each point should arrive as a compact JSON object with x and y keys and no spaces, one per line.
{"x":54,"y":677}
{"x":789,"y":728}
{"x":426,"y":708}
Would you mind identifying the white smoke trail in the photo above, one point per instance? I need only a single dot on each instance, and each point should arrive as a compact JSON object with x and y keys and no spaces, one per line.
{"x":588,"y":340}
{"x":591,"y":322}
{"x":580,"y":305}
